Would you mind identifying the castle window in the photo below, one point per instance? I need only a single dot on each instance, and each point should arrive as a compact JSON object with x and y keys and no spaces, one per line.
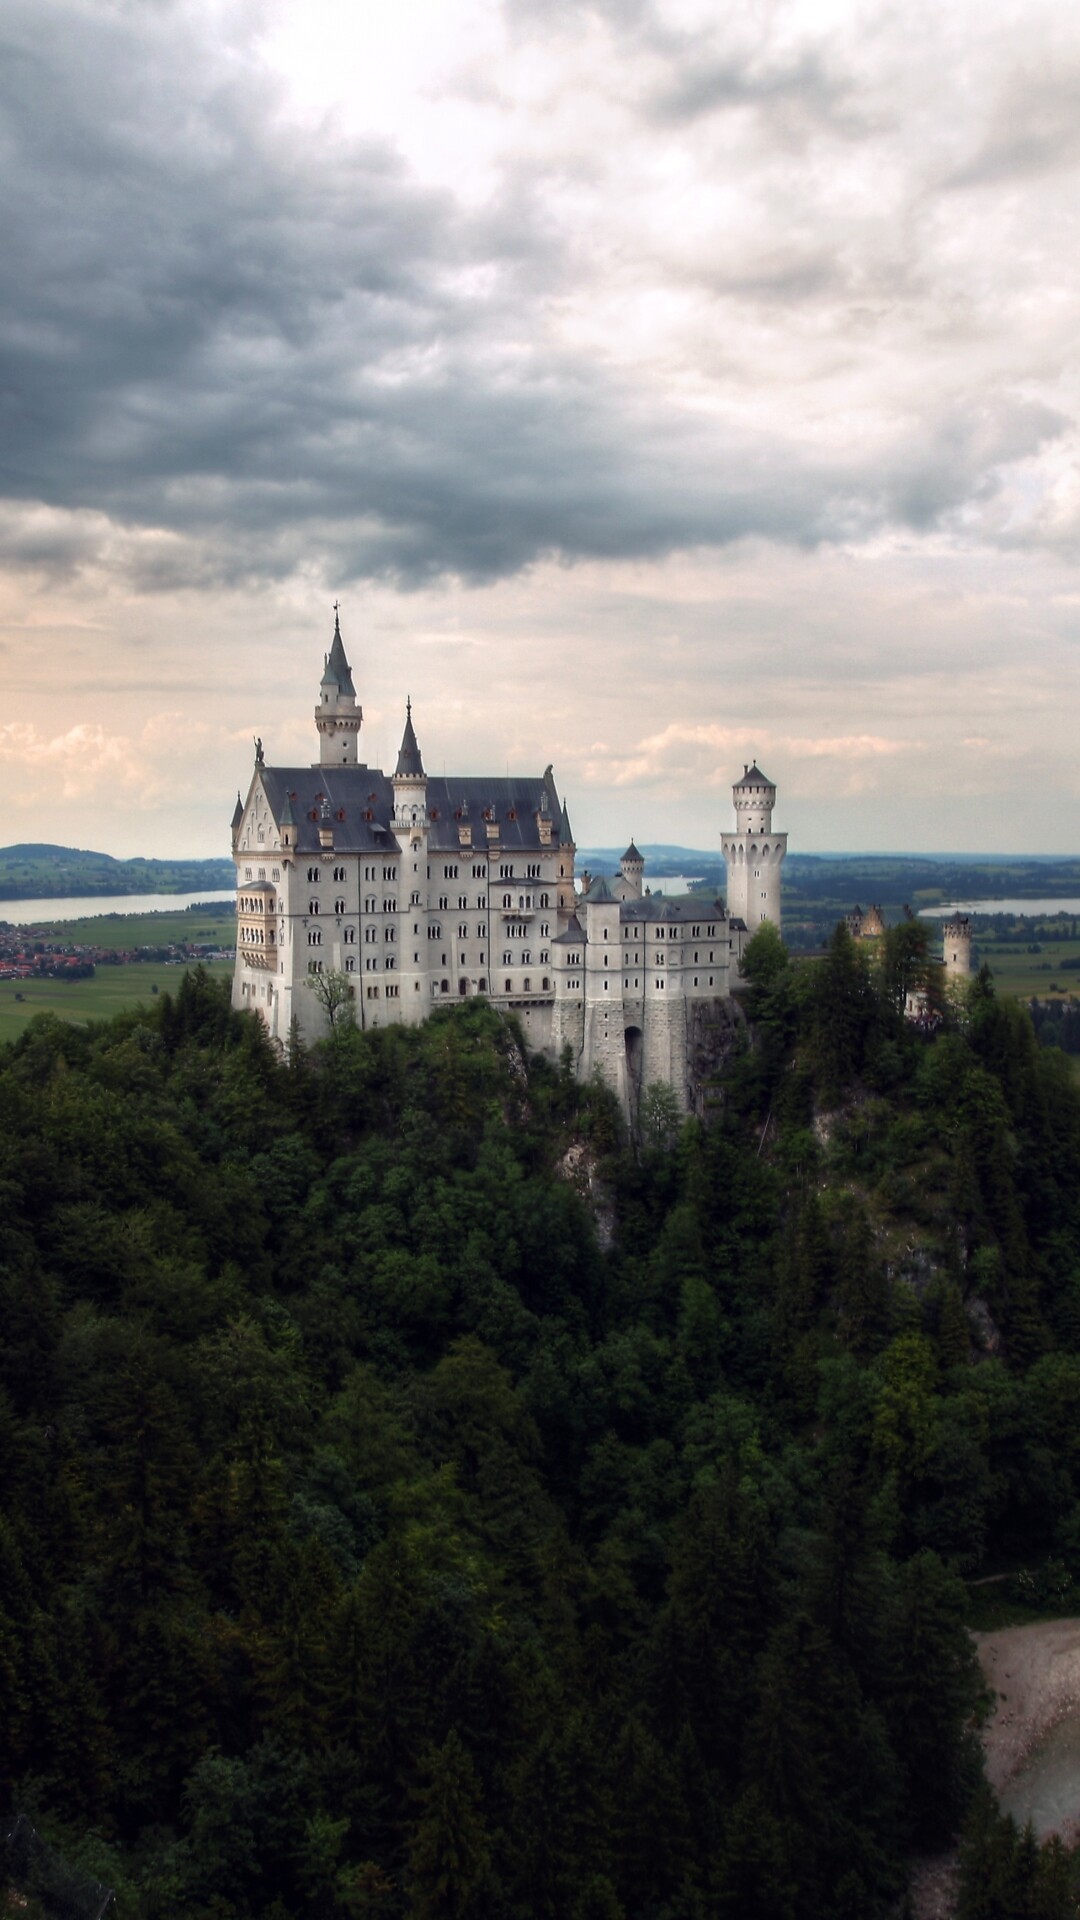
{"x":532,"y":873}
{"x":508,"y":959}
{"x":545,"y":959}
{"x":313,"y":906}
{"x":443,"y":903}
{"x":339,"y":873}
{"x":247,"y":874}
{"x":314,"y":938}
{"x":478,"y":872}
{"x":481,"y":985}
{"x":389,"y":964}
{"x":527,"y":984}
{"x":605,"y":986}
{"x":393,"y":993}
{"x":449,"y":873}
{"x":339,"y":906}
{"x":350,"y":936}
{"x":350,"y":963}
{"x":275,"y":873}
{"x":463,"y":933}
{"x":312,"y":873}
{"x":444,"y":986}
{"x":370,"y":966}
{"x":314,"y":966}
{"x":507,"y":901}
{"x":390,"y":933}
{"x":390,"y":906}
{"x":546,"y":984}
{"x":509,"y":988}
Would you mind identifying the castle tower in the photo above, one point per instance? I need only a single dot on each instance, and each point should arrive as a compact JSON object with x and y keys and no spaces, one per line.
{"x":754,"y":854}
{"x":956,"y":945}
{"x":410,"y":780}
{"x":632,"y":868}
{"x":566,"y":893}
{"x":337,"y":716}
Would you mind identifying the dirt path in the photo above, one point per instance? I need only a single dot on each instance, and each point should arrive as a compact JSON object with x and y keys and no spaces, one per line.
{"x":1035,"y":1672}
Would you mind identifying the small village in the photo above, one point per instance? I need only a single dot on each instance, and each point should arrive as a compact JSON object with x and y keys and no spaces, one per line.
{"x":34,"y":953}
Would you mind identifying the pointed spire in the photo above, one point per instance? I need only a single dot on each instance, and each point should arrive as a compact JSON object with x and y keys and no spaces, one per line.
{"x":566,"y":831}
{"x":238,"y":811}
{"x":288,"y":817}
{"x":409,"y":763}
{"x":337,"y":672}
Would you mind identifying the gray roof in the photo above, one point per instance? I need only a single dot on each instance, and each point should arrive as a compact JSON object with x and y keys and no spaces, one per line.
{"x":409,"y":763}
{"x":574,"y":935}
{"x":566,"y":832}
{"x":337,"y":672}
{"x":632,"y":854}
{"x":361,"y":803}
{"x":686,"y":909}
{"x":753,"y":777}
{"x":238,"y":811}
{"x":599,"y":894}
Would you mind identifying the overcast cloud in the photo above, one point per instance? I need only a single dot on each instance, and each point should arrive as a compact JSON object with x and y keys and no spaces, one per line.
{"x":651,"y":382}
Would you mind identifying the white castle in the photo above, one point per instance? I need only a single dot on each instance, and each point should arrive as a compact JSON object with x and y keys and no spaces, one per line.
{"x":433,"y":889}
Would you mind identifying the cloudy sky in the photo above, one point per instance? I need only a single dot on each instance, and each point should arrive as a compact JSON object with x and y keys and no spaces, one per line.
{"x":656,"y":383}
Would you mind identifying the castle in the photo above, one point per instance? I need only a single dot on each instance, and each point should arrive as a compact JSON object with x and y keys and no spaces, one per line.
{"x":433,"y":889}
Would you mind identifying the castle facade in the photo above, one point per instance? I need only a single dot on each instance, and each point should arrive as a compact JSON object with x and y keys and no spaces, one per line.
{"x":421,"y":891}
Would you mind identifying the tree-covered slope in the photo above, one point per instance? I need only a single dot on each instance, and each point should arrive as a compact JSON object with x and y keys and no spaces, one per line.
{"x":36,"y":870}
{"x":378,"y":1540}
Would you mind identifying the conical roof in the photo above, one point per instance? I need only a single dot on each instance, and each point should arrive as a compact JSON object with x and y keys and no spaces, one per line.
{"x":600,"y":893}
{"x":288,"y":817}
{"x":238,"y":811}
{"x":566,"y":831}
{"x":632,"y":854}
{"x":337,"y":672}
{"x":409,"y":764}
{"x":753,"y":777}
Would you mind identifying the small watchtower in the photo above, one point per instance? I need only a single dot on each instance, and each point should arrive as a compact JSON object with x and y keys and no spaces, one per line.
{"x":956,"y":938}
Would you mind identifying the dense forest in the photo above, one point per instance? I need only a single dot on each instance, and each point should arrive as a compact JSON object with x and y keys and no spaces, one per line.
{"x":422,"y":1503}
{"x":36,"y":870}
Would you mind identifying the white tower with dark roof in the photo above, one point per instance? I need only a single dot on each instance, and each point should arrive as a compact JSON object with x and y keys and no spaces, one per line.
{"x":754,"y":854}
{"x":338,"y":716}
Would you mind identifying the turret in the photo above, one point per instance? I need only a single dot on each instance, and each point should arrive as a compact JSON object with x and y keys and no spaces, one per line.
{"x":956,"y":947}
{"x":632,"y":868}
{"x":410,"y":780}
{"x":754,"y":854}
{"x":238,"y":815}
{"x":755,"y":797}
{"x":567,"y":896}
{"x":338,"y":716}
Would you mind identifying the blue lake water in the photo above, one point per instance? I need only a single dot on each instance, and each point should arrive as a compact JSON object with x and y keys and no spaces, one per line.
{"x":1000,"y":906}
{"x":36,"y":913}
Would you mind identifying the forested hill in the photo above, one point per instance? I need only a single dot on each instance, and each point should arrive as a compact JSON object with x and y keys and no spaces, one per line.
{"x":37,"y":871}
{"x":415,"y":1505}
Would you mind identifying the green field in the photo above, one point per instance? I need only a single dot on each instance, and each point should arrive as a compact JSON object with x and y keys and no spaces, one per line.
{"x":1034,"y":975}
{"x":144,"y":929}
{"x":111,"y":990}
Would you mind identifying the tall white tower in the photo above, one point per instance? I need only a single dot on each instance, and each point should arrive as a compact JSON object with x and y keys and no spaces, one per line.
{"x":338,"y":717}
{"x":754,"y":854}
{"x":956,"y":948}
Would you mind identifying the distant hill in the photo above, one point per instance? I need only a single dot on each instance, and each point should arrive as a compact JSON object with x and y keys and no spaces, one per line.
{"x":37,"y":870}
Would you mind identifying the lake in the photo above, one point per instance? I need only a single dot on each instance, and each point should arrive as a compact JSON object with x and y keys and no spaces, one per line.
{"x":37,"y":913}
{"x":1000,"y":906}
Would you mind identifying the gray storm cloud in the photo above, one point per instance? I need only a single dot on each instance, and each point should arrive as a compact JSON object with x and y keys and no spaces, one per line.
{"x":280,"y":348}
